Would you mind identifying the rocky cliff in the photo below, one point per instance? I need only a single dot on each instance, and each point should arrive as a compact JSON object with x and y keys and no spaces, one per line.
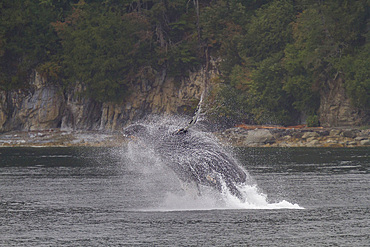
{"x":336,"y":108}
{"x":46,"y":106}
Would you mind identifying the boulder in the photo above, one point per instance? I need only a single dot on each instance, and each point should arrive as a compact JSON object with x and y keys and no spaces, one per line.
{"x":307,"y":135}
{"x":360,"y":138}
{"x":258,"y":137}
{"x":349,"y":134}
{"x":312,"y":143}
{"x":365,"y":142}
{"x":335,"y":132}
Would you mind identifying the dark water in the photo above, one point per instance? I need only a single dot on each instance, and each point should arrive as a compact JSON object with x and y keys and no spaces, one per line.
{"x":92,"y":197}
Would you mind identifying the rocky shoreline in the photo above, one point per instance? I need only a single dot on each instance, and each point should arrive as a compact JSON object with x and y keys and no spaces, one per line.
{"x":238,"y":137}
{"x":60,"y":138}
{"x":296,"y":137}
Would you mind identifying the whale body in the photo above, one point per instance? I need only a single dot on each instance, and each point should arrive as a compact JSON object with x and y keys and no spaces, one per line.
{"x":194,"y":156}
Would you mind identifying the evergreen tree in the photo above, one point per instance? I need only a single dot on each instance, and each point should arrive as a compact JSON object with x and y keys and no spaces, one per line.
{"x":276,"y":55}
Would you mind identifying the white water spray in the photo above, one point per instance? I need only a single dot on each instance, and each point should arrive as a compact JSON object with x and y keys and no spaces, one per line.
{"x":191,"y":171}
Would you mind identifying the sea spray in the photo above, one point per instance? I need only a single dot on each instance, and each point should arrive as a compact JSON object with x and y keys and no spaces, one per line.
{"x":191,"y":171}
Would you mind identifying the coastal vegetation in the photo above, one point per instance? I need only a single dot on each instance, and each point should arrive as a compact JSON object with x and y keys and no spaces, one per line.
{"x":276,"y":56}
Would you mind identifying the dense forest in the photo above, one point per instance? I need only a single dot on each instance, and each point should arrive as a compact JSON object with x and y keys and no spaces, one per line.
{"x":275,"y":56}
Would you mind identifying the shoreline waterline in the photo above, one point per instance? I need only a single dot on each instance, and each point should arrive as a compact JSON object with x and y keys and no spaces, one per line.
{"x":236,"y":137}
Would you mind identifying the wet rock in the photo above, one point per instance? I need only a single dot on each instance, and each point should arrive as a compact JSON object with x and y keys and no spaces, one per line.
{"x":313,"y":143}
{"x":349,"y":134}
{"x":324,"y":133}
{"x":335,"y":132}
{"x":307,"y":135}
{"x":364,"y":133}
{"x":311,"y":139}
{"x":297,"y":134}
{"x":287,"y":137}
{"x":332,"y":141}
{"x":258,"y":137}
{"x":297,"y":137}
{"x":360,"y":138}
{"x":365,"y":142}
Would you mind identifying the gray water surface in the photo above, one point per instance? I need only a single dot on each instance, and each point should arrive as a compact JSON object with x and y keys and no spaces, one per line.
{"x":92,"y":197}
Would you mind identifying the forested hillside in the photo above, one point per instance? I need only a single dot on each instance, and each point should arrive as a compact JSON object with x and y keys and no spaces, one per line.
{"x":276,"y":56}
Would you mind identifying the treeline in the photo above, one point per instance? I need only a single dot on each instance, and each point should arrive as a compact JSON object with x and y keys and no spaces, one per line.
{"x":276,"y":56}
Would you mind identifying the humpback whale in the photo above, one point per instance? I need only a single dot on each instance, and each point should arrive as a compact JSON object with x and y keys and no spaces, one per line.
{"x":194,"y":156}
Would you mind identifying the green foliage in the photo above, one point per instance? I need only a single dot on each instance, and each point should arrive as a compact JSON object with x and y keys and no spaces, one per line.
{"x":101,"y":49}
{"x":27,"y":39}
{"x":357,"y":76}
{"x":177,"y":44}
{"x":222,"y":29}
{"x":268,"y":30}
{"x":326,"y":35}
{"x":280,"y":54}
{"x":227,"y":106}
{"x":298,"y":81}
{"x":313,"y":121}
{"x":251,"y":52}
{"x":269,"y":101}
{"x":182,"y":57}
{"x":277,"y":55}
{"x":101,"y":44}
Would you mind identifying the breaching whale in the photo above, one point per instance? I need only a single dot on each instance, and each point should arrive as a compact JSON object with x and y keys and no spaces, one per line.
{"x":195,"y":156}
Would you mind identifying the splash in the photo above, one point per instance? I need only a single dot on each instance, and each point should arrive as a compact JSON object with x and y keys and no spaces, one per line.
{"x":214,"y":201}
{"x":192,"y":170}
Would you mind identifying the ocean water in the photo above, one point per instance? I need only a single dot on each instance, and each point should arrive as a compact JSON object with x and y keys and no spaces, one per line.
{"x":101,"y":197}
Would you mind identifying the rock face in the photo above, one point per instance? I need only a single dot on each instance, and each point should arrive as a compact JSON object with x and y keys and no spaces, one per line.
{"x":336,"y":109}
{"x":162,"y":95}
{"x":46,"y":106}
{"x":39,"y":108}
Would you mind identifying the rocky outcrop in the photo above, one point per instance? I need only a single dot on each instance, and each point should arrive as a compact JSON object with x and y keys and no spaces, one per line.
{"x":160,"y":96}
{"x":45,"y":106}
{"x":336,"y":108}
{"x":81,"y":113}
{"x":304,"y":137}
{"x":58,"y":138}
{"x":250,"y":138}
{"x":40,"y":107}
